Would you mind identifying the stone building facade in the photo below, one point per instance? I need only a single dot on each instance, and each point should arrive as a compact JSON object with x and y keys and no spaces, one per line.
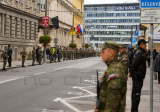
{"x":19,"y":25}
{"x":62,"y":9}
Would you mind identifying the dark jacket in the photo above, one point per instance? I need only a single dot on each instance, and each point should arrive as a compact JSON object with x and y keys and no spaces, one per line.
{"x":138,"y":67}
{"x":155,"y":53}
{"x":130,"y":56}
{"x":47,"y":51}
{"x":37,"y":51}
{"x":157,"y":63}
{"x":9,"y":52}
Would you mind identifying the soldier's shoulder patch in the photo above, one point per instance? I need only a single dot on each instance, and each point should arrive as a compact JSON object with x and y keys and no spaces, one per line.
{"x":123,"y":59}
{"x":112,"y":76}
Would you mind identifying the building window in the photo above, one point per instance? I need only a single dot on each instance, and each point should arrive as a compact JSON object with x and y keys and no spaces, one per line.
{"x":35,"y":31}
{"x":43,"y":4}
{"x":21,"y":28}
{"x":10,"y":26}
{"x":30,"y":30}
{"x":4,"y":25}
{"x":0,"y":24}
{"x":26,"y":29}
{"x":16,"y":27}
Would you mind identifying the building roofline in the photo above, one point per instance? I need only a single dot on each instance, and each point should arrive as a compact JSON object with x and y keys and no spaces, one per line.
{"x":113,"y":4}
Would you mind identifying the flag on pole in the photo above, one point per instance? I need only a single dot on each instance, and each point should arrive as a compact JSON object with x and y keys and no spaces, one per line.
{"x":79,"y":28}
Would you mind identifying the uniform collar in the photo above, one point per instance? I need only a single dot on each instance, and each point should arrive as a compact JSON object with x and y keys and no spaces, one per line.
{"x":111,"y":61}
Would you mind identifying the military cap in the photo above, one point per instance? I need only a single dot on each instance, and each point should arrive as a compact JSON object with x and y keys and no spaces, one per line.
{"x":111,"y":45}
{"x":142,"y":41}
{"x":122,"y":46}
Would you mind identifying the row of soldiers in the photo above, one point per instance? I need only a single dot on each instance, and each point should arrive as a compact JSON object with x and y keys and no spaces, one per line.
{"x":67,"y":54}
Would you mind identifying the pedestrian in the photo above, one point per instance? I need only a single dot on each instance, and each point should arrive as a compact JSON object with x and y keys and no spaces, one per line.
{"x":130,"y":57}
{"x":64,"y":54}
{"x":47,"y":53}
{"x":138,"y":72}
{"x":9,"y":53}
{"x":55,"y":54}
{"x":155,"y":53}
{"x":40,"y":55}
{"x":37,"y":56}
{"x":148,"y":57}
{"x":124,"y":58}
{"x":157,"y":66}
{"x":113,"y":82}
{"x":33,"y":56}
{"x":5,"y":57}
{"x":23,"y":53}
{"x":51,"y":55}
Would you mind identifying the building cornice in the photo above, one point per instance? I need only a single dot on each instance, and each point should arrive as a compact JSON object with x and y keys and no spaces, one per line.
{"x":19,"y":11}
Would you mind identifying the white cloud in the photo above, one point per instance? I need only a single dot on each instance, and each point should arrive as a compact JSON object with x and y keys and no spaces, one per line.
{"x":108,"y":1}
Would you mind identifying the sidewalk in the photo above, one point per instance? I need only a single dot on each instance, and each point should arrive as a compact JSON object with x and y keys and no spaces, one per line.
{"x":16,"y":64}
{"x":145,"y":95}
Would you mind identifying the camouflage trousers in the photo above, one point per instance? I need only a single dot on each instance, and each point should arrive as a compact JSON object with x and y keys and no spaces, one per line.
{"x":4,"y":63}
{"x":33,"y":60}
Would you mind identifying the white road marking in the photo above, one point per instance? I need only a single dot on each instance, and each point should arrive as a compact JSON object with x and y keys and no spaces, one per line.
{"x":67,"y":104}
{"x":9,"y":80}
{"x":19,"y":78}
{"x":75,"y":93}
{"x":81,"y":102}
{"x":85,"y":90}
{"x":39,"y":73}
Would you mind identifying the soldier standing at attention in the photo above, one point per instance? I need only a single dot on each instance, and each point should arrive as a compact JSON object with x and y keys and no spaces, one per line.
{"x":51,"y":55}
{"x":40,"y":55}
{"x":33,"y":56}
{"x":23,"y":53}
{"x":113,"y":83}
{"x":5,"y":56}
{"x":124,"y":58}
{"x":64,"y":54}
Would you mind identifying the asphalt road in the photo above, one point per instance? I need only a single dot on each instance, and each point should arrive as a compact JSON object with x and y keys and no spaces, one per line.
{"x":67,"y":86}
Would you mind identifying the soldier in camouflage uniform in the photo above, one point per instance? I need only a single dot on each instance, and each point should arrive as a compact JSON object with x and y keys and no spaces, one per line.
{"x":40,"y":55}
{"x":33,"y":56}
{"x":64,"y":54}
{"x":5,"y":56}
{"x":124,"y":58}
{"x":23,"y":53}
{"x":113,"y":82}
{"x":51,"y":55}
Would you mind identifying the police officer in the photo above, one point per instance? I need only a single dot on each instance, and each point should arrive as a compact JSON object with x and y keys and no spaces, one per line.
{"x":5,"y":56}
{"x":138,"y":72}
{"x":124,"y":58}
{"x":33,"y":56}
{"x":51,"y":55}
{"x":9,"y":53}
{"x":23,"y":53}
{"x":113,"y":82}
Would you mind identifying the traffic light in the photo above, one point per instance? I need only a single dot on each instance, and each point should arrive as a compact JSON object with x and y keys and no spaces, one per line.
{"x":55,"y":22}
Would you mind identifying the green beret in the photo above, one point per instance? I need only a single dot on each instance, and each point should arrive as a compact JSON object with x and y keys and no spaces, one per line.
{"x":111,"y":45}
{"x":122,"y":46}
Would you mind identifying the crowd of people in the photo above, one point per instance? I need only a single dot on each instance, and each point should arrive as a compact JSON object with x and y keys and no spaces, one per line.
{"x":53,"y":54}
{"x":122,"y":64}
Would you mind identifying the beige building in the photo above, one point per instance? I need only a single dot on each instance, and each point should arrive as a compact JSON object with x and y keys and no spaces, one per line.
{"x":63,"y":9}
{"x":19,"y":25}
{"x":156,"y":36}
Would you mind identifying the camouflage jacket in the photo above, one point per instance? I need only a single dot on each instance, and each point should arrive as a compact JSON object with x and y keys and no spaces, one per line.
{"x":125,"y":62}
{"x":23,"y":53}
{"x":4,"y":54}
{"x":51,"y":52}
{"x":34,"y":53}
{"x":112,"y":88}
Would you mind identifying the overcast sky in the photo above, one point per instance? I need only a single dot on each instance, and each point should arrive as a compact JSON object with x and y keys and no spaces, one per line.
{"x":108,"y":1}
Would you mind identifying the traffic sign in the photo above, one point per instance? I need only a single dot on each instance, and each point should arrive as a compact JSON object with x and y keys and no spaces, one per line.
{"x":45,"y":21}
{"x":150,"y":4}
{"x":150,"y":16}
{"x":134,"y":40}
{"x":136,"y":32}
